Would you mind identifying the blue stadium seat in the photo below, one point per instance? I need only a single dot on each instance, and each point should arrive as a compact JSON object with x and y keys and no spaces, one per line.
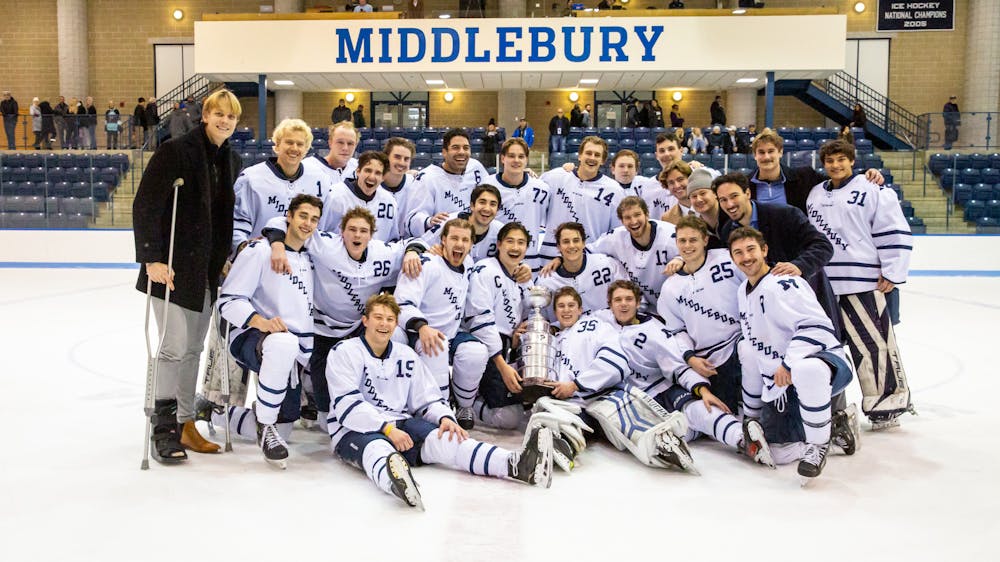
{"x":438,"y":144}
{"x":320,"y":133}
{"x":369,"y":144}
{"x":971,"y":176}
{"x":938,"y":162}
{"x":8,"y":188}
{"x":863,"y":146}
{"x":478,"y":133}
{"x":589,"y":131}
{"x":626,"y":133}
{"x":60,"y":189}
{"x":12,"y":160}
{"x":974,"y":209}
{"x":612,"y":145}
{"x":24,"y":220}
{"x":319,"y":144}
{"x":949,"y":177}
{"x":576,"y":131}
{"x":645,"y":145}
{"x":982,"y":191}
{"x":907,"y":208}
{"x":27,"y":189}
{"x":993,"y":209}
{"x":887,"y":174}
{"x":650,"y":171}
{"x":687,"y":157}
{"x":243,"y":133}
{"x":962,"y":161}
{"x":101,"y":160}
{"x":380,"y":134}
{"x":52,"y":205}
{"x":996,"y":191}
{"x":640,"y":133}
{"x":626,"y":144}
{"x":987,"y":225}
{"x":648,"y":160}
{"x":397,"y":131}
{"x":718,"y":161}
{"x":424,"y":144}
{"x":33,"y":161}
{"x":235,"y":144}
{"x":917,"y":225}
{"x":251,"y":145}
{"x":858,"y":133}
{"x":36,"y":174}
{"x":995,"y":160}
{"x":873,"y":161}
{"x":790,"y":145}
{"x":79,"y":189}
{"x":60,"y":220}
{"x":573,"y":143}
{"x":18,"y":174}
{"x":897,"y":189}
{"x":476,"y":145}
{"x":437,"y":158}
{"x":979,"y":161}
{"x":77,"y":205}
{"x":737,"y":160}
{"x":29,"y":204}
{"x":557,"y":159}
{"x":421,"y":160}
{"x":807,"y":144}
{"x":990,"y":175}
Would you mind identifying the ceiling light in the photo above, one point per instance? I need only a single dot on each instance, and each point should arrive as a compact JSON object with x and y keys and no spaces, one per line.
{"x":589,"y":81}
{"x":746,"y":80}
{"x":444,"y":16}
{"x":284,"y":83}
{"x":677,"y":96}
{"x":449,"y":97}
{"x":434,"y":82}
{"x":178,"y":14}
{"x":349,"y":97}
{"x":739,"y":12}
{"x":859,"y":7}
{"x":574,"y":97}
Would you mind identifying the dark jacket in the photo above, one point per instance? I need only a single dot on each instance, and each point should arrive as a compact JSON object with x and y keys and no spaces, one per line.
{"x":204,"y":228}
{"x":359,"y":119}
{"x":340,"y":114}
{"x":575,"y":117}
{"x":859,"y":118}
{"x":48,"y":125}
{"x":798,"y":183}
{"x":676,"y":120}
{"x":91,"y":116}
{"x":9,"y":107}
{"x":717,"y":113}
{"x":557,"y":122}
{"x":139,"y":116}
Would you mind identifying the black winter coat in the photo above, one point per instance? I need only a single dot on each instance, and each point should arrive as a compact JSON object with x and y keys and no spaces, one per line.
{"x":204,"y":215}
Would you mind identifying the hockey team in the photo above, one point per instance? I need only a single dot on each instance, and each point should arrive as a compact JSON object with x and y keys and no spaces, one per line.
{"x":394,"y":308}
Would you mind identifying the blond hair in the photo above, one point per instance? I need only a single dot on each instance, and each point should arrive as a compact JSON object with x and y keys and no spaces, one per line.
{"x":292,"y":126}
{"x":221,"y":99}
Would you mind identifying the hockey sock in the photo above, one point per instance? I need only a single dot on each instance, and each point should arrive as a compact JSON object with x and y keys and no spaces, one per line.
{"x":722,"y":427}
{"x":373,"y":460}
{"x":811,"y":377}
{"x":468,"y":367}
{"x":242,"y":422}
{"x":280,"y":350}
{"x":504,"y":417}
{"x":470,"y":455}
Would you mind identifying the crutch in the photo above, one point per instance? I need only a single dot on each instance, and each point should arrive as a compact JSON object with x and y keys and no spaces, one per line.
{"x":225,"y":384}
{"x":152,"y":366}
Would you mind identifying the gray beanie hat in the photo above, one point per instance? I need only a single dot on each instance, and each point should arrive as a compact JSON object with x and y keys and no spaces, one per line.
{"x":700,"y":178}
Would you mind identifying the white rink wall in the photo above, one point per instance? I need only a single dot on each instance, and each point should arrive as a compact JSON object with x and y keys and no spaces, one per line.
{"x":933,"y":254}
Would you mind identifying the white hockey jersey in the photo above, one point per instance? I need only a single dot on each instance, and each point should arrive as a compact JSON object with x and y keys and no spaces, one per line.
{"x":437,"y":296}
{"x":655,"y":360}
{"x":495,"y":304}
{"x":345,"y":196}
{"x":441,"y":191}
{"x":657,"y":198}
{"x":317,"y":163}
{"x":343,"y":284}
{"x":701,"y":310}
{"x":251,"y":287}
{"x":263,"y":192}
{"x":634,"y":188}
{"x":527,"y":204}
{"x":591,"y":281}
{"x":368,"y":392}
{"x":782,"y":322}
{"x":643,"y":265}
{"x":589,"y":354}
{"x":592,"y":203}
{"x":483,"y":246}
{"x":869,"y":233}
{"x":405,"y":195}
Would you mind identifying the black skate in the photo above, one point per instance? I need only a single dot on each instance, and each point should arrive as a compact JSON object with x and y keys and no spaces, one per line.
{"x":533,"y":465}
{"x":203,"y":410}
{"x":466,"y":417}
{"x":813,"y":461}
{"x":846,"y":432}
{"x":274,"y":447}
{"x":754,"y":445}
{"x":672,"y":449}
{"x":563,"y":454}
{"x":403,"y":485}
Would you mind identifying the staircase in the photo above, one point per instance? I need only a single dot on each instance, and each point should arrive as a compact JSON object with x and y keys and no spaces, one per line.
{"x":890,"y":126}
{"x":931,"y":206}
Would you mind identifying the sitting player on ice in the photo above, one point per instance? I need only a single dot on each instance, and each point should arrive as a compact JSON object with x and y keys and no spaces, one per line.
{"x":591,"y":370}
{"x":271,"y":316}
{"x":388,"y":414}
{"x":792,"y":361}
{"x":661,"y":372}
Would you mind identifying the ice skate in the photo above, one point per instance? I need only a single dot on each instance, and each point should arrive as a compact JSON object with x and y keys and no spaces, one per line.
{"x":884,"y":422}
{"x":203,"y":410}
{"x":813,"y":461}
{"x":533,"y":464}
{"x":466,"y":417}
{"x":673,"y":450}
{"x":563,"y":454}
{"x":846,"y":432}
{"x":274,"y":447}
{"x":403,"y":485}
{"x":754,"y":445}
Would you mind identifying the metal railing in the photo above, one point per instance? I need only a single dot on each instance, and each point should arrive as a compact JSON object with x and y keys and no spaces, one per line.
{"x":879,"y":109}
{"x":967,"y":129}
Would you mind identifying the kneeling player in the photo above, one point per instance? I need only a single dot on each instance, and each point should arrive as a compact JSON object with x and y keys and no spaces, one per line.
{"x":387,"y":414}
{"x":659,"y":370}
{"x":792,"y":360}
{"x":271,"y":315}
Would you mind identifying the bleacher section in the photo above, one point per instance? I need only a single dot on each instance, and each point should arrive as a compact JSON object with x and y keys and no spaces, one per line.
{"x":57,"y":190}
{"x":973,"y":183}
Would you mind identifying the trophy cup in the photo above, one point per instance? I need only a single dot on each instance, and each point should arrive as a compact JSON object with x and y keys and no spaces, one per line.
{"x":538,"y":372}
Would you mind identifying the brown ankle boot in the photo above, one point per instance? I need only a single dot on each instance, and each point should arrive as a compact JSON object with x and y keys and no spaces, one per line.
{"x":193,"y":440}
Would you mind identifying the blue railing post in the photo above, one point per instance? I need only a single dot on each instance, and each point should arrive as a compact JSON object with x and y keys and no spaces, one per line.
{"x":769,"y":101}
{"x":261,"y":106}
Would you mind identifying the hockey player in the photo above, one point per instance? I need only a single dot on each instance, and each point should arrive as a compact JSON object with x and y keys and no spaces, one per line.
{"x":339,"y":163}
{"x":793,"y":362}
{"x":494,"y":312}
{"x":871,"y":255}
{"x":364,"y":190}
{"x":588,"y":273}
{"x":522,"y":198}
{"x":264,"y":190}
{"x":485,"y":200}
{"x":700,"y":309}
{"x":625,"y":169}
{"x":389,"y":415}
{"x":591,"y":368}
{"x":585,"y":196}
{"x":271,"y":315}
{"x":398,"y":181}
{"x":433,"y":306}
{"x":660,"y":371}
{"x":706,"y":204}
{"x":654,"y":191}
{"x":446,"y":188}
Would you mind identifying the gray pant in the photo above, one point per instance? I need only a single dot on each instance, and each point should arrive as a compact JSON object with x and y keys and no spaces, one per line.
{"x":177,"y":375}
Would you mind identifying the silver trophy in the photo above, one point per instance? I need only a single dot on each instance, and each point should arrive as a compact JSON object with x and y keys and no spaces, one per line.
{"x":538,"y":373}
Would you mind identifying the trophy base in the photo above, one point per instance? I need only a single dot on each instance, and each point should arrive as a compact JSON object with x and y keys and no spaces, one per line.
{"x":531,"y":392}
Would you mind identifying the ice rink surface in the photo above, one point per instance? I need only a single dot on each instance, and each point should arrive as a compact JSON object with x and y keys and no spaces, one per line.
{"x":71,"y":489}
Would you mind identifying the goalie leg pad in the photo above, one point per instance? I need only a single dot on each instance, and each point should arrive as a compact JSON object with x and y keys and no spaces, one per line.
{"x":633,"y":421}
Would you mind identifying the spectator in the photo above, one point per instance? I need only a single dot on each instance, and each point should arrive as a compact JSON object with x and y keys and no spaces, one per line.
{"x":36,"y":122}
{"x":415,"y":9}
{"x":91,"y":123}
{"x":585,"y":116}
{"x":717,"y":112}
{"x":676,"y":120}
{"x":48,"y":125}
{"x":751,"y":131}
{"x":193,"y":109}
{"x":858,"y":118}
{"x":491,"y":143}
{"x":558,"y":129}
{"x":80,"y":116}
{"x":644,"y":117}
{"x":152,"y":120}
{"x":59,"y":120}
{"x":676,"y":5}
{"x":525,"y":132}
{"x":655,"y":114}
{"x":574,"y":116}
{"x":734,"y":143}
{"x":363,"y":6}
{"x":952,"y":120}
{"x":697,"y":144}
{"x":8,"y":107}
{"x":72,"y":124}
{"x":632,"y":114}
{"x":139,"y":123}
{"x":716,"y":139}
{"x":846,"y":135}
{"x":112,"y":125}
{"x":359,"y":115}
{"x":178,"y":122}
{"x":340,"y":113}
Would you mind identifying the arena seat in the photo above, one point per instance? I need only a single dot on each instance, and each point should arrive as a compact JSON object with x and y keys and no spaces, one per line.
{"x":917,"y":225}
{"x":938,"y":162}
{"x":651,"y":171}
{"x":369,"y":144}
{"x":737,"y":160}
{"x":971,"y":176}
{"x":907,"y":207}
{"x":62,"y":220}
{"x":982,"y":191}
{"x":990,"y":175}
{"x":863,"y":146}
{"x":413,"y":133}
{"x":979,"y":161}
{"x":993,"y":209}
{"x":949,"y":177}
{"x":77,"y":205}
{"x":626,"y":144}
{"x":52,"y":205}
{"x":974,"y":209}
{"x":421,"y":160}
